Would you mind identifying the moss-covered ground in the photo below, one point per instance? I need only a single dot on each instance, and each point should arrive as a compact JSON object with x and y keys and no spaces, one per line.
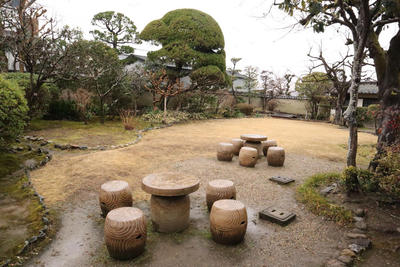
{"x":21,"y":211}
{"x":92,"y":134}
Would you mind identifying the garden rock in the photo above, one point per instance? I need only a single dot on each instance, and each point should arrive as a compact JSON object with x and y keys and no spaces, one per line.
{"x":329,"y":189}
{"x":347,"y":252}
{"x":334,"y":263}
{"x":346,"y":260}
{"x":358,"y":219}
{"x":360,"y":212}
{"x":362,"y":225}
{"x":31,"y":164}
{"x":356,"y":235}
{"x":363,"y":242}
{"x":356,"y":248}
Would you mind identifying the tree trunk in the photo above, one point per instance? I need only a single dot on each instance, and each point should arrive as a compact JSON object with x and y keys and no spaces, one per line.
{"x":102,"y":111}
{"x":360,"y":40}
{"x":135,"y":107}
{"x":165,"y":110}
{"x":389,"y":93}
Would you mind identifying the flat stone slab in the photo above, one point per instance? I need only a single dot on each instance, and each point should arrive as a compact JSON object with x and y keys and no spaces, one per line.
{"x":277,"y":215}
{"x":170,"y":184}
{"x":281,"y":179}
{"x":253,"y":137}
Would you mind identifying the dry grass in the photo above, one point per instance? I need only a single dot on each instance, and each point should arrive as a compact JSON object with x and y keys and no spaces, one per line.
{"x":161,"y":149}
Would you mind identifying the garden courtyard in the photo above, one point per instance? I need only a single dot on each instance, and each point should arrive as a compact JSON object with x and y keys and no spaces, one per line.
{"x":70,"y":184}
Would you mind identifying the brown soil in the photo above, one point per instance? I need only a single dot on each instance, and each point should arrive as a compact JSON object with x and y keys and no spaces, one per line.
{"x":72,"y":181}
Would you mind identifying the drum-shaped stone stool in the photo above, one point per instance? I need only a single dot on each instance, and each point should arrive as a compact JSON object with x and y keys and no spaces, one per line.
{"x":248,"y":156}
{"x":114,"y":194}
{"x":225,"y":152}
{"x":219,"y":189}
{"x":228,"y":221}
{"x":237,"y":145}
{"x":276,"y":156}
{"x":267,"y":144}
{"x":125,"y":232}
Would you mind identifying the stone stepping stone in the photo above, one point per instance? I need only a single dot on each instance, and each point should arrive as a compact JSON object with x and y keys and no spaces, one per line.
{"x":281,"y":179}
{"x":277,"y":215}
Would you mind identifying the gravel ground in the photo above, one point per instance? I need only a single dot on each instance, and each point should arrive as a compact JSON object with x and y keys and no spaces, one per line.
{"x":72,"y":181}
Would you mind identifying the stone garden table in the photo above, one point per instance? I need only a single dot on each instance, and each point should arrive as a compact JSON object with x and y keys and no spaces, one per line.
{"x":255,"y":141}
{"x":170,"y":203}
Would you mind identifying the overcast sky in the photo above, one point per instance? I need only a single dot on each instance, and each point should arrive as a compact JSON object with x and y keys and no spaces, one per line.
{"x":268,"y":43}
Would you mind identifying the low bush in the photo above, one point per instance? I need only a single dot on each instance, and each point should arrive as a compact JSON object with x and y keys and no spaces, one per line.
{"x":355,"y":179}
{"x":42,"y":97}
{"x":363,"y":116}
{"x":156,"y":117}
{"x":272,"y":105}
{"x":388,"y":172}
{"x":62,"y":110}
{"x":13,"y":111}
{"x":230,"y":113}
{"x":245,"y":108}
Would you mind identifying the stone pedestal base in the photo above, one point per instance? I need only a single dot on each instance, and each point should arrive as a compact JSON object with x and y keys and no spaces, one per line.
{"x":170,"y":214}
{"x":256,"y":145}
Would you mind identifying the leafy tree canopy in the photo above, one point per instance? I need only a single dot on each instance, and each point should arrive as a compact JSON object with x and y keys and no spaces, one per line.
{"x":313,"y":85}
{"x":189,"y":38}
{"x":115,"y":29}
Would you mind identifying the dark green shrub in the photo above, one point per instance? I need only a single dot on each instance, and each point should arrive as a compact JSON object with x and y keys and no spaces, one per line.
{"x":362,"y":116}
{"x":367,"y":181}
{"x":62,"y":110}
{"x":349,"y":179}
{"x":245,"y":108}
{"x":43,"y":97}
{"x":13,"y":111}
{"x":388,"y":172}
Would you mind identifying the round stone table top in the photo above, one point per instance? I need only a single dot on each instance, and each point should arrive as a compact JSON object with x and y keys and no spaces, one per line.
{"x":125,"y":214}
{"x":253,"y":137}
{"x":170,"y":184}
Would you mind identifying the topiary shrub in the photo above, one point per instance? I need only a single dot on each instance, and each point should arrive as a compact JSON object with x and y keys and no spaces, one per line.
{"x":245,"y":108}
{"x":13,"y":111}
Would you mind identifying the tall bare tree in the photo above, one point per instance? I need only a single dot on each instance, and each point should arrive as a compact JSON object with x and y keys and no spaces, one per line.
{"x":234,"y":71}
{"x":163,"y":86}
{"x":356,"y":17}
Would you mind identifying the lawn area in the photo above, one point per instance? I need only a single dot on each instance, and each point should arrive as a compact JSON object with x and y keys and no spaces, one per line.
{"x":73,"y":180}
{"x":92,"y":134}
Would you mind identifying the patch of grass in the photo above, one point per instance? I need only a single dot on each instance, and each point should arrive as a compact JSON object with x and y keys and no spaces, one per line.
{"x":308,"y":193}
{"x":94,"y":133}
{"x":365,"y":153}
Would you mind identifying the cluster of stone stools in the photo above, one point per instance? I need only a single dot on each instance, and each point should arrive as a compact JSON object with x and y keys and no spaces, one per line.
{"x":250,"y":148}
{"x":125,"y":228}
